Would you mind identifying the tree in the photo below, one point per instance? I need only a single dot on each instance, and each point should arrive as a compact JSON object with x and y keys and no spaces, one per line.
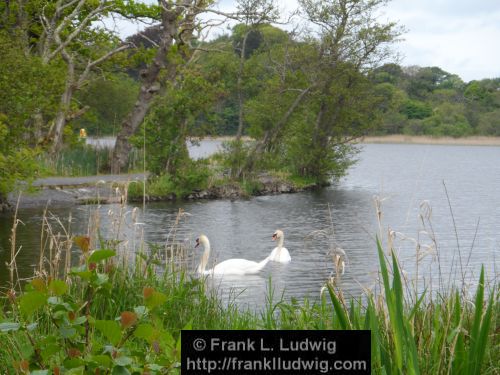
{"x":27,"y":86}
{"x":65,"y":34}
{"x":68,"y":33}
{"x":350,"y":43}
{"x":247,"y":39}
{"x":180,"y":113}
{"x":178,"y":23}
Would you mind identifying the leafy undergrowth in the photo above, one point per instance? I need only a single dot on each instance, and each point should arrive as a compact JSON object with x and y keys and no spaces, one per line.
{"x":106,"y":317}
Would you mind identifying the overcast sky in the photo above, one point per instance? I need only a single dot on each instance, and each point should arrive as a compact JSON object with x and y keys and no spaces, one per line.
{"x":459,"y":36}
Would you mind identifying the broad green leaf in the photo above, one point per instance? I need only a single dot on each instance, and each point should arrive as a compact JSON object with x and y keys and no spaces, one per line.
{"x":79,"y":320}
{"x":39,"y":372}
{"x":110,"y":329}
{"x":155,"y":299}
{"x":118,"y":370}
{"x":100,"y":279}
{"x":81,"y":272}
{"x":54,"y":301}
{"x":99,"y":255}
{"x":123,"y":361}
{"x":80,"y":370}
{"x":101,"y":360}
{"x":67,"y":332}
{"x":50,"y":347}
{"x":58,"y":287}
{"x":32,"y":301}
{"x":144,"y":331}
{"x":155,"y":367}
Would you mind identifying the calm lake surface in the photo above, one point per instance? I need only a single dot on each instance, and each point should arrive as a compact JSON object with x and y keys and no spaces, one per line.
{"x":415,"y":184}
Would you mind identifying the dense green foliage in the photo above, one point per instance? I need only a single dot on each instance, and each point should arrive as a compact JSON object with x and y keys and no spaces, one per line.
{"x":108,"y":100}
{"x":430,"y":101}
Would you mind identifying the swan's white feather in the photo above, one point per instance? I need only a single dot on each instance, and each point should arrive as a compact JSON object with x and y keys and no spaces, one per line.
{"x":282,"y":256}
{"x":231,"y":266}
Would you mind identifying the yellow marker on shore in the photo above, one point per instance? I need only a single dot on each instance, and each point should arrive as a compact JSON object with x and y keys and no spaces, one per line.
{"x":83,"y":133}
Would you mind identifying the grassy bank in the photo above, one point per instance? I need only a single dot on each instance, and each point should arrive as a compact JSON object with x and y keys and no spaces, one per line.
{"x":95,"y":306}
{"x":203,"y":183}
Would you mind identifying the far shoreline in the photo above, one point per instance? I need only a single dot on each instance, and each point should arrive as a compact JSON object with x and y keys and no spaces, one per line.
{"x":397,"y":139}
{"x":108,"y":141}
{"x":427,"y":140}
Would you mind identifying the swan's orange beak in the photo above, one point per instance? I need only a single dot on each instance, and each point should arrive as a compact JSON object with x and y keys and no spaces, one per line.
{"x":197,"y":243}
{"x":274,"y":237}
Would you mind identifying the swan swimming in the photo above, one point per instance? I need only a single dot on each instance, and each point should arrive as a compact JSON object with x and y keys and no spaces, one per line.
{"x":228,"y":267}
{"x":280,"y":254}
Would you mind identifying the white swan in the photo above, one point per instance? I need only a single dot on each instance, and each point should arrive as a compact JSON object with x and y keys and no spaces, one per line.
{"x":228,"y":267}
{"x":280,"y":253}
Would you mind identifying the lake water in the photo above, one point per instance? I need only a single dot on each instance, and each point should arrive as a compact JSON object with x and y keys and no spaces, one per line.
{"x":445,"y":198}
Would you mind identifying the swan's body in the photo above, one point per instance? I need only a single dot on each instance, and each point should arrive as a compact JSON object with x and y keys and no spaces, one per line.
{"x":228,"y":267}
{"x":280,"y":254}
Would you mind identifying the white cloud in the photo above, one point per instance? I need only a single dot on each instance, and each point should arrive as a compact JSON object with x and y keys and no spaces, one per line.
{"x":459,"y":36}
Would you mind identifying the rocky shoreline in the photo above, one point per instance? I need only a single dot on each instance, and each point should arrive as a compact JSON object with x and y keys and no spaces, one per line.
{"x":109,"y":189}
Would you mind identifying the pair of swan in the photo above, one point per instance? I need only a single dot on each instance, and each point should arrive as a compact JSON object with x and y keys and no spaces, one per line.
{"x":241,"y":266}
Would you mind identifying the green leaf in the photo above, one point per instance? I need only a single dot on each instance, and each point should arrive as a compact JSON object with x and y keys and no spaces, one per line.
{"x":9,"y":326}
{"x":110,"y":329}
{"x":75,"y":364}
{"x":79,"y":320}
{"x":144,"y":331}
{"x":101,"y":360}
{"x":54,"y":301}
{"x":50,"y":347}
{"x":155,"y":299}
{"x":123,"y":361}
{"x":81,"y":272}
{"x":39,"y":372}
{"x":155,"y":367}
{"x":99,"y":255}
{"x":101,"y":279}
{"x":76,"y":370}
{"x":339,"y":310}
{"x":118,"y":370}
{"x":58,"y":287}
{"x":67,"y":332}
{"x":32,"y":301}
{"x":474,"y":334}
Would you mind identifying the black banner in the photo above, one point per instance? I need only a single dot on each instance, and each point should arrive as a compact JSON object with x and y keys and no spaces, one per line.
{"x":276,"y":352}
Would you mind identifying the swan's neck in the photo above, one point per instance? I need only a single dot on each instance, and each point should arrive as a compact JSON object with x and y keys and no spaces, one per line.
{"x":204,"y":258}
{"x":280,"y":243}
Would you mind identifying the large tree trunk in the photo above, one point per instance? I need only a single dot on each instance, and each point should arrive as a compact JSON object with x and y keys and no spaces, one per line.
{"x":149,"y":89}
{"x":56,"y":131}
{"x":239,"y":84}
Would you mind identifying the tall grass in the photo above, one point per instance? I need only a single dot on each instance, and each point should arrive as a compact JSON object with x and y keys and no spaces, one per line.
{"x":103,"y":305}
{"x":84,"y":160}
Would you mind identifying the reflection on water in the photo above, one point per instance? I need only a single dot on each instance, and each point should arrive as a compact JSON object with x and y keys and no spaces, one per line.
{"x":402,"y":176}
